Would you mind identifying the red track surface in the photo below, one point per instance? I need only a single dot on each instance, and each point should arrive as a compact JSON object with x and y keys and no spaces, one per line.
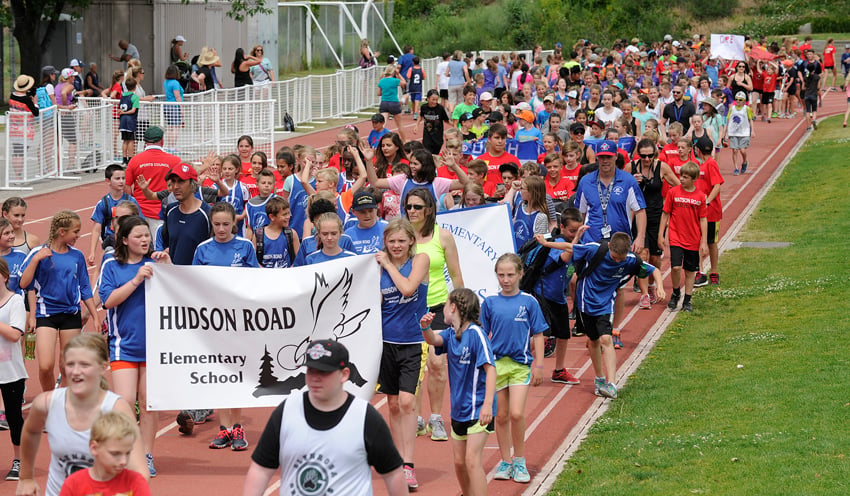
{"x":187,"y":466}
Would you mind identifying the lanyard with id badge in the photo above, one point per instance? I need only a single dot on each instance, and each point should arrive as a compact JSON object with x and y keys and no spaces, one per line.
{"x":604,"y":198}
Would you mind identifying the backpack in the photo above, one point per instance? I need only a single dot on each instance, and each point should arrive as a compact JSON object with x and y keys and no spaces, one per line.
{"x":534,"y":257}
{"x":259,"y":236}
{"x":288,"y":123}
{"x":584,"y":268}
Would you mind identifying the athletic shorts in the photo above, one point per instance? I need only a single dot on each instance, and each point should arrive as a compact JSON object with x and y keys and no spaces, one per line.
{"x":713,"y":236}
{"x":128,"y":136}
{"x":402,"y":368}
{"x":125,"y":365}
{"x":444,"y":94}
{"x":594,"y":326}
{"x":392,"y":108}
{"x":687,"y":259}
{"x":439,"y":322}
{"x":61,"y":321}
{"x":756,"y":92}
{"x":792,"y":90}
{"x":560,"y":325}
{"x":510,"y":373}
{"x":767,"y":97}
{"x":811,"y":104}
{"x":828,"y":67}
{"x":651,"y":238}
{"x":416,"y":97}
{"x":739,"y":142}
{"x":462,"y":429}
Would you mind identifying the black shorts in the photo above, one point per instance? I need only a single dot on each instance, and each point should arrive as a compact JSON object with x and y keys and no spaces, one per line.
{"x":811,"y":104}
{"x":792,"y":90}
{"x":828,"y":67}
{"x":444,"y":94}
{"x":713,"y":233}
{"x":767,"y":97}
{"x":687,"y":259}
{"x":461,"y":428}
{"x":61,"y":321}
{"x":594,"y":326}
{"x":402,"y":366}
{"x":651,"y":239}
{"x":560,"y":325}
{"x":439,"y":322}
{"x":392,"y":108}
{"x":757,"y":92}
{"x":128,"y":136}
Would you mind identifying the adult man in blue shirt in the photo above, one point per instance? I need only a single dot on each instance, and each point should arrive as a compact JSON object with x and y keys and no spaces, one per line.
{"x":405,"y":62}
{"x":187,"y":222}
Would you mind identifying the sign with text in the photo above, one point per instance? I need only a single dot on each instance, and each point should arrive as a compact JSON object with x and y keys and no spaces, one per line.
{"x":728,"y":47}
{"x":482,"y":234}
{"x":231,"y":337}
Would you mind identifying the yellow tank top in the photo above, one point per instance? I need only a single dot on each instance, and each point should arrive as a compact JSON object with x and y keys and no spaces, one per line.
{"x":438,"y":289}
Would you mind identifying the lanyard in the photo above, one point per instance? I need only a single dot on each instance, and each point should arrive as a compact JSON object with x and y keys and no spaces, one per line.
{"x":677,"y":112}
{"x":604,"y":198}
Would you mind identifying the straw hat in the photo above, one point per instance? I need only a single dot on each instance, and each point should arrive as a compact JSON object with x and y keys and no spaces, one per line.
{"x":208,"y":57}
{"x":23,"y":83}
{"x":711,"y":101}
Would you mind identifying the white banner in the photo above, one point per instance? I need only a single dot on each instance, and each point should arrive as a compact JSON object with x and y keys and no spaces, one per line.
{"x":482,"y":234}
{"x":727,"y":46}
{"x":225,"y":337}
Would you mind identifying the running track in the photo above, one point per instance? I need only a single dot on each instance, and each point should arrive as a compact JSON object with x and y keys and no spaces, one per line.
{"x":555,"y":412}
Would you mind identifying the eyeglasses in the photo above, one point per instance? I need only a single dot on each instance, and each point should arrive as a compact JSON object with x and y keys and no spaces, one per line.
{"x":410,"y":207}
{"x":646,"y":155}
{"x":677,"y":92}
{"x":260,"y":51}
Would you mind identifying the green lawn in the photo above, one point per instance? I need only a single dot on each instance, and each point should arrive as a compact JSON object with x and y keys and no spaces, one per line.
{"x":749,"y":394}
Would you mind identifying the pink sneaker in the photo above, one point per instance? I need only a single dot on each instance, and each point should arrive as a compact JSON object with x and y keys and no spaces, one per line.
{"x":410,"y":476}
{"x":645,"y":302}
{"x":653,"y":295}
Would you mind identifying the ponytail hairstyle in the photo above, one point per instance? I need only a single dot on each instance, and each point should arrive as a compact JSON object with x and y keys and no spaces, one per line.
{"x":63,"y":219}
{"x":12,"y":202}
{"x":125,"y":227}
{"x":536,"y":194}
{"x":326,"y":217}
{"x":95,"y":343}
{"x":263,"y":158}
{"x":399,"y":224}
{"x":468,"y":308}
{"x":510,"y":258}
{"x":227,"y":208}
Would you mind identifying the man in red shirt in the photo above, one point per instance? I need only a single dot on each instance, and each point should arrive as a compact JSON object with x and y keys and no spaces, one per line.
{"x":709,"y":183}
{"x":496,"y":154}
{"x":154,"y":164}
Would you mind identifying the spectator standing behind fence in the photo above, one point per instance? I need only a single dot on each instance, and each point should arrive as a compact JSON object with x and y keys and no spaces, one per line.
{"x":173,"y":113}
{"x":367,"y":57}
{"x":458,"y":74}
{"x":143,"y":118}
{"x":79,"y":86}
{"x":241,"y":67}
{"x":65,"y":101}
{"x":21,"y":126}
{"x":262,"y":72}
{"x":93,"y":81}
{"x":130,"y":52}
{"x":207,"y":63}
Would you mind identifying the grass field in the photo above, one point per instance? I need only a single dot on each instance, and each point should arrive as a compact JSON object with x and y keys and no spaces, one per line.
{"x":748,"y":395}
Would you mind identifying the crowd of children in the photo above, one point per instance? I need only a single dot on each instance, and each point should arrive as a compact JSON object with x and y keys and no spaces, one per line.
{"x":618,"y":186}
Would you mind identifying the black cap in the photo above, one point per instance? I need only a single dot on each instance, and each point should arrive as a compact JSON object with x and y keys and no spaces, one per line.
{"x":477,"y":112}
{"x":466,"y":116}
{"x":363,"y":200}
{"x":378,"y":118}
{"x":576,"y":128}
{"x":705,"y":145}
{"x":496,"y":116}
{"x":326,"y":355}
{"x":510,"y":167}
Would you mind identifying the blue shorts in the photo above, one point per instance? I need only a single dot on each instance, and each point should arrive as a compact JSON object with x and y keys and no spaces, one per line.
{"x":416,"y":97}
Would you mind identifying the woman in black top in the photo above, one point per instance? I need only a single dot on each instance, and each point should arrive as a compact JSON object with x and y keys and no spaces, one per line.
{"x":241,"y":67}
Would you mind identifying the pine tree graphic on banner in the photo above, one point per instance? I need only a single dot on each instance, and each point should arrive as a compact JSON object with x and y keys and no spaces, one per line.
{"x":267,"y":377}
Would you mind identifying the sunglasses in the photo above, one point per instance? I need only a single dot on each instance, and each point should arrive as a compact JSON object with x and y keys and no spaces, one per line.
{"x":646,"y":155}
{"x":410,"y":207}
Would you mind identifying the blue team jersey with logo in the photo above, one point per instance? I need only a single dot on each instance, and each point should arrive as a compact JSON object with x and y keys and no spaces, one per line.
{"x":103,"y":212}
{"x":400,"y":314}
{"x":523,"y":225}
{"x":625,"y":198}
{"x":238,"y":252}
{"x":595,"y":293}
{"x":298,"y":206}
{"x":467,"y":378}
{"x":553,"y":285}
{"x":257,"y":216}
{"x":238,"y":196}
{"x":276,"y":252}
{"x":369,"y":240}
{"x":510,"y":320}
{"x":126,"y":321}
{"x":61,"y":282}
{"x":15,"y":260}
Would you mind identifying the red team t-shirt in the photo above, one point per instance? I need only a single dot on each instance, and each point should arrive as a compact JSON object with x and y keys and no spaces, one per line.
{"x":560,"y":191}
{"x":153,"y":163}
{"x":493,"y":163}
{"x":685,"y":208}
{"x":709,"y":176}
{"x":126,"y":483}
{"x":769,"y":83}
{"x":829,"y":56}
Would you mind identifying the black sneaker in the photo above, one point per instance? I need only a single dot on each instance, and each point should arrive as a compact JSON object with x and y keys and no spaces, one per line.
{"x":237,"y":438}
{"x":673,"y":303}
{"x":184,"y":420}
{"x":15,"y":473}
{"x":576,"y":332}
{"x":700,"y":280}
{"x":573,"y":314}
{"x":744,"y":167}
{"x":549,"y":346}
{"x":223,"y":439}
{"x":687,"y":307}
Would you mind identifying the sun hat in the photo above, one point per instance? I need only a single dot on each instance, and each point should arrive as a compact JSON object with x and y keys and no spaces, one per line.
{"x":23,"y":83}
{"x":208,"y":57}
{"x":711,"y":101}
{"x":486,"y":96}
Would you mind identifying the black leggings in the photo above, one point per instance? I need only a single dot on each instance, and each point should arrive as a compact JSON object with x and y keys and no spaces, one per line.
{"x":13,"y":397}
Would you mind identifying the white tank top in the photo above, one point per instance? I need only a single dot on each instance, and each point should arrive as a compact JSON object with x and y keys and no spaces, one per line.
{"x":318,"y":463}
{"x":69,"y":449}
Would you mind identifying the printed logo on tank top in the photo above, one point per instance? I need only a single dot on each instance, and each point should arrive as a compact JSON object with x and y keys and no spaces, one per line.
{"x":312,"y":476}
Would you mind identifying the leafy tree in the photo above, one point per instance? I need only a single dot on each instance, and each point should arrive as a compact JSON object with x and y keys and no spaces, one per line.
{"x":25,"y":17}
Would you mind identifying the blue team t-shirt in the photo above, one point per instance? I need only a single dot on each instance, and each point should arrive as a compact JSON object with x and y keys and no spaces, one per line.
{"x":126,"y":321}
{"x":467,"y":378}
{"x":595,"y":293}
{"x":320,"y":256}
{"x":400,"y":314}
{"x":103,"y":212}
{"x":369,"y":240}
{"x":309,"y":245}
{"x":15,"y":260}
{"x":61,"y":282}
{"x":510,"y":320}
{"x":624,"y":197}
{"x":238,"y":252}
